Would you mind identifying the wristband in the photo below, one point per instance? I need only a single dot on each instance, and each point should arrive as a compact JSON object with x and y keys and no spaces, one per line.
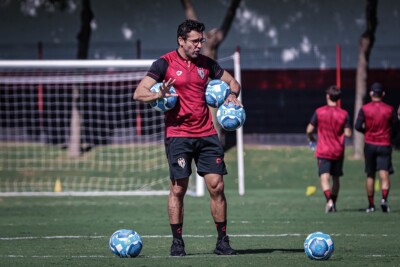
{"x":233,"y":93}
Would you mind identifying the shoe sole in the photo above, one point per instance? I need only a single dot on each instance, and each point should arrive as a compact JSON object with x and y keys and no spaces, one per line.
{"x":218,"y":252}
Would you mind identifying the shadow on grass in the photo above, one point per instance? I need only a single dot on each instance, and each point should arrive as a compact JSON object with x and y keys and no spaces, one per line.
{"x":268,"y":250}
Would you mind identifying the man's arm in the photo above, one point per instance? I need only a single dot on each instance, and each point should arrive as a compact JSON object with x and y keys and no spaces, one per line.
{"x":398,"y":113}
{"x":234,"y":86}
{"x":143,"y":94}
{"x":360,"y":122}
{"x":310,"y":133}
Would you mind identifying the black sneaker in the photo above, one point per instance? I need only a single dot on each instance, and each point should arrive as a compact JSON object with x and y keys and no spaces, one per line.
{"x":370,"y":209}
{"x":177,"y":248}
{"x":384,"y":206}
{"x":223,"y":248}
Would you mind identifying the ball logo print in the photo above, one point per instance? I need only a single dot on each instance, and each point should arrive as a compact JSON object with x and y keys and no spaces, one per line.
{"x":231,"y":117}
{"x":126,"y":243}
{"x":216,"y":93}
{"x":166,"y":103}
{"x":318,"y":246}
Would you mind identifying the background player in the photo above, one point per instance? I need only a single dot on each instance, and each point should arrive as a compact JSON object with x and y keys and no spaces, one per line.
{"x":333,"y":124}
{"x":377,"y":121}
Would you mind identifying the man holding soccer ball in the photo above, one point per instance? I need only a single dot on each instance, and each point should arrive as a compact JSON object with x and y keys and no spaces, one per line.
{"x":190,"y":133}
{"x":333,"y":124}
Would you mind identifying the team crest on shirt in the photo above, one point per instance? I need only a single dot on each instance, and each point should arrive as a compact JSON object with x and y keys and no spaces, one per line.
{"x":179,"y":73}
{"x":182,"y":162}
{"x":201,"y":72}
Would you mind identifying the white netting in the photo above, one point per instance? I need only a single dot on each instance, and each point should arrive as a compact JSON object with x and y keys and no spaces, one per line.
{"x":72,"y":127}
{"x":77,"y":129}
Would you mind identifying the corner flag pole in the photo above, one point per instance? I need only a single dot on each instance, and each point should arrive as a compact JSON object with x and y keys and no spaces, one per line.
{"x":338,"y":77}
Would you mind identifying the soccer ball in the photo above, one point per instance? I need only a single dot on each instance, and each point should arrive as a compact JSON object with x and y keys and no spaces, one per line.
{"x":126,"y":243}
{"x":231,"y":117}
{"x":318,"y":246}
{"x":216,"y":93}
{"x":166,"y":103}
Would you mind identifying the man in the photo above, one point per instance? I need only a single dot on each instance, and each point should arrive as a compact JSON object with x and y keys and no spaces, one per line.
{"x":333,"y":124}
{"x":190,"y":133}
{"x":376,"y":120}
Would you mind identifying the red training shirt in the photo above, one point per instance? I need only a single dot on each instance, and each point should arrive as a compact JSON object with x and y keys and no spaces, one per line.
{"x":330,"y":122}
{"x":191,"y":116}
{"x":376,"y":120}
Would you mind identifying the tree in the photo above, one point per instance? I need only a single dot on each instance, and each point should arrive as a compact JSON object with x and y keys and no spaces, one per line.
{"x":214,"y":38}
{"x":85,"y":31}
{"x":367,"y":41}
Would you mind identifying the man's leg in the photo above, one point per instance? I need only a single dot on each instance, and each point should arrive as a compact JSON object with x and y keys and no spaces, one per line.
{"x":335,"y":189}
{"x":385,"y":185}
{"x":177,"y":193}
{"x":218,"y":207}
{"x":370,"y":187}
{"x":326,"y":188}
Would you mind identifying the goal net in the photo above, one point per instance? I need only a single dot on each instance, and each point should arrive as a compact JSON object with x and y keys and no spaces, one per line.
{"x":72,"y":127}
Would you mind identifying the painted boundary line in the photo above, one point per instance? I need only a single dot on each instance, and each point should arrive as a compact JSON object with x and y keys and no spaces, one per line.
{"x":186,"y":236}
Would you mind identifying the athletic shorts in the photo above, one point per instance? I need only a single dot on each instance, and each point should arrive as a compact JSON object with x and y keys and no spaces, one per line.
{"x":207,"y":153}
{"x":377,"y":158}
{"x":333,"y":167}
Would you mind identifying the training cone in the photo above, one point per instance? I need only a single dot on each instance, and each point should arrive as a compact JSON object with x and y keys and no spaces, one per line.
{"x":377,"y":185}
{"x":58,"y":186}
{"x":311,"y":190}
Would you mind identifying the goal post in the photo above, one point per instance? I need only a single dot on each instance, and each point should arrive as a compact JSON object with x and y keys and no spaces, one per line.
{"x":71,"y":127}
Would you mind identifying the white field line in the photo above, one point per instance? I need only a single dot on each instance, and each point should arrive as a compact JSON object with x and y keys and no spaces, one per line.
{"x":187,"y":236}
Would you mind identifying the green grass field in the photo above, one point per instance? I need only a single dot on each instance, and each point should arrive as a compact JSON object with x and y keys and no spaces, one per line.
{"x":267,"y":225}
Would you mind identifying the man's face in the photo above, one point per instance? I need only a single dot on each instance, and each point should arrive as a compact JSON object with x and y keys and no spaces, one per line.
{"x":192,"y":44}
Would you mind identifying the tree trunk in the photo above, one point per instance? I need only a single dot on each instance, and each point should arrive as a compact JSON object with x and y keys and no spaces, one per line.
{"x":366,"y":43}
{"x":85,"y":31}
{"x":74,"y":146}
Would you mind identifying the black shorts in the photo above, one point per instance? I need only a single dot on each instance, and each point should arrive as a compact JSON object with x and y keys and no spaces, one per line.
{"x":377,"y":158}
{"x":333,"y":167}
{"x":207,"y":153}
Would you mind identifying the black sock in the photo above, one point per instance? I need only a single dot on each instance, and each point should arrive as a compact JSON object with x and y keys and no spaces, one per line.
{"x":177,"y":230}
{"x":221,"y":228}
{"x":334,"y":198}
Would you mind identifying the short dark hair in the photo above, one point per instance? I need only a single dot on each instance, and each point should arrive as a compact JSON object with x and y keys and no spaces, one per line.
{"x":190,"y":25}
{"x":377,"y":89}
{"x":334,"y":93}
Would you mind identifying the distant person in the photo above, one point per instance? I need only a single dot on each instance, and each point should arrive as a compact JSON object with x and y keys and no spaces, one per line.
{"x":377,"y":121}
{"x":398,"y":113}
{"x":333,"y":124}
{"x":190,"y":132}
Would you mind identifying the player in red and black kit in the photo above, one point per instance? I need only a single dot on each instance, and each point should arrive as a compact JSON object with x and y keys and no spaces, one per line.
{"x":333,"y":124}
{"x":190,"y":132}
{"x":377,"y":121}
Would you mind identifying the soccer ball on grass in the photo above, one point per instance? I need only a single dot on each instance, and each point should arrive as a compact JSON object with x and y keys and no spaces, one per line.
{"x":230,"y":116}
{"x":126,"y":243}
{"x":166,"y":103}
{"x":318,"y":246}
{"x":216,"y":93}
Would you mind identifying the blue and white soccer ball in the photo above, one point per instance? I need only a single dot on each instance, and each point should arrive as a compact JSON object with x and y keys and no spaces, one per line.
{"x":166,"y":103}
{"x":319,"y":246}
{"x":230,"y":116}
{"x":126,"y":243}
{"x":216,"y":93}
